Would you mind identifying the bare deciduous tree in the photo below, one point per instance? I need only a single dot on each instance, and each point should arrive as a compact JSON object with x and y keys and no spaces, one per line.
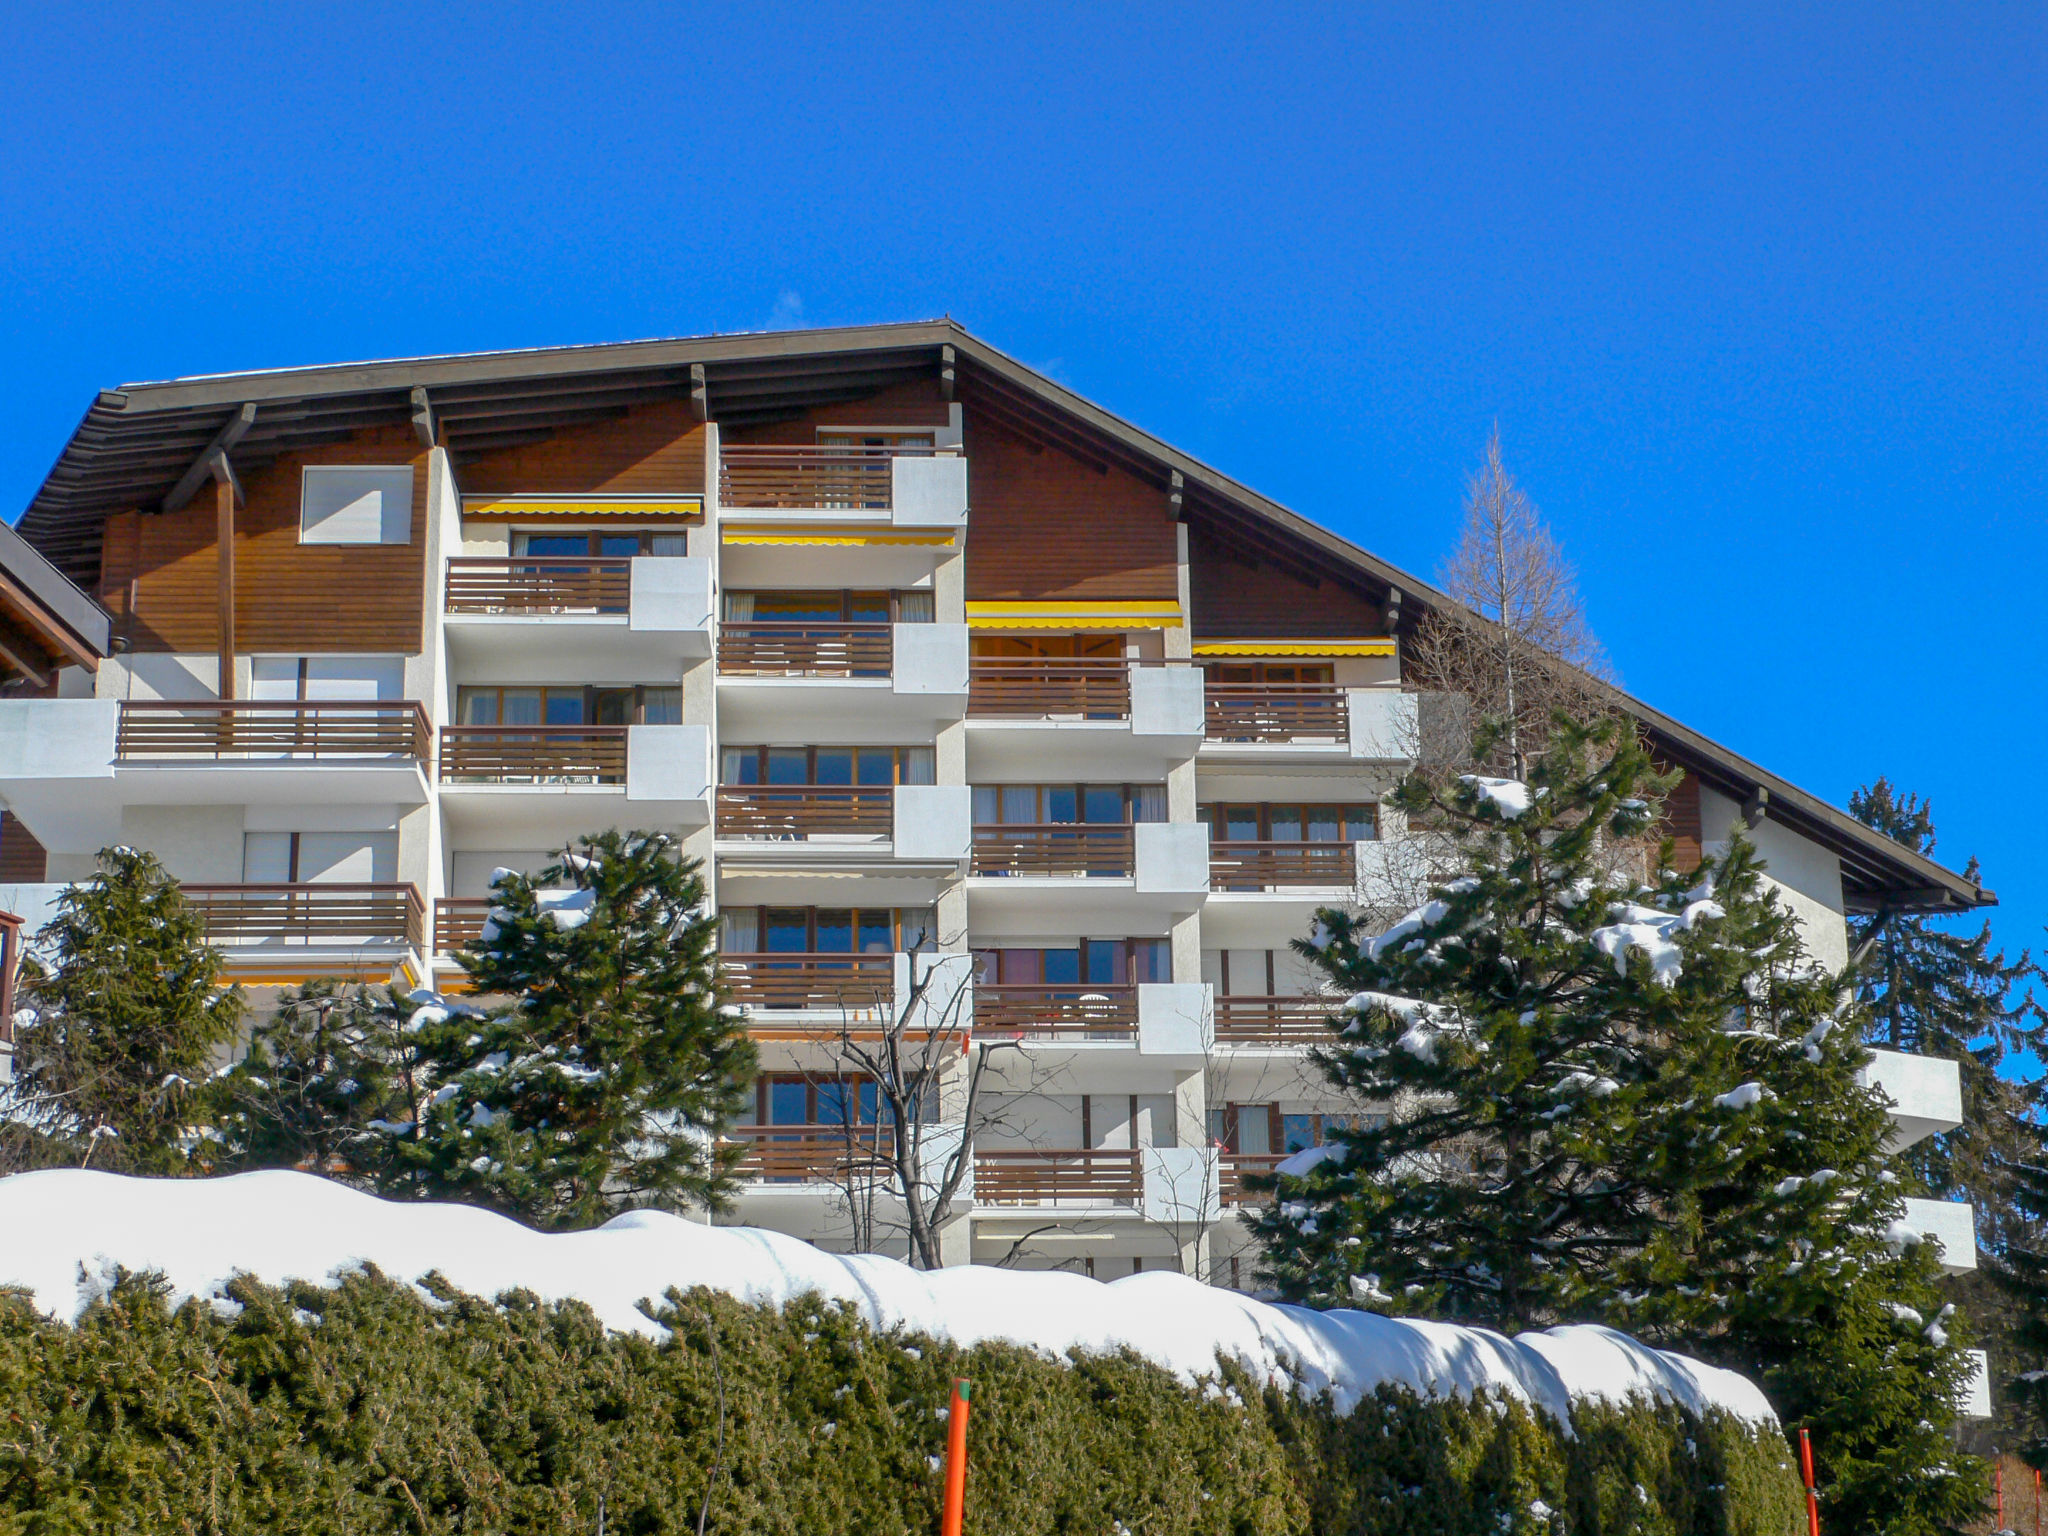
{"x":1521,"y":648}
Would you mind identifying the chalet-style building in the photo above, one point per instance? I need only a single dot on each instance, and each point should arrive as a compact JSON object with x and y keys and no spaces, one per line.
{"x":932,"y":662}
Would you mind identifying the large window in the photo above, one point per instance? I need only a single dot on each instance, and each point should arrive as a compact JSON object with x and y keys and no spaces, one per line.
{"x":785,"y":1098}
{"x":1086,"y":962}
{"x":876,"y":766}
{"x":612,"y":544}
{"x":1048,"y":804}
{"x":910,"y":606}
{"x":346,"y":504}
{"x":518,"y":706}
{"x":1290,"y":823}
{"x":1265,"y":674}
{"x":826,"y":930}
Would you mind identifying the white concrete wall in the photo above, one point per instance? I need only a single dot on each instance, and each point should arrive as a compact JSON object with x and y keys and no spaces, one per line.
{"x":928,"y":492}
{"x":1172,"y":856}
{"x":669,"y":593}
{"x":929,"y":658}
{"x":200,"y":844}
{"x":58,"y":738}
{"x":1383,"y":724}
{"x":933,"y":821}
{"x":668,"y":762}
{"x":1175,"y":1021}
{"x":1167,"y":701}
{"x":1807,"y":878}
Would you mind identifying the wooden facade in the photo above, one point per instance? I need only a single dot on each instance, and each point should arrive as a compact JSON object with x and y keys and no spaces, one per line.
{"x":652,"y":450}
{"x":160,"y":572}
{"x":1237,"y":596}
{"x":1682,"y":823}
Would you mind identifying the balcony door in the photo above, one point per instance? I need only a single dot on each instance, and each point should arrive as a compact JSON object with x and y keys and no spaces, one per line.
{"x":319,"y":858}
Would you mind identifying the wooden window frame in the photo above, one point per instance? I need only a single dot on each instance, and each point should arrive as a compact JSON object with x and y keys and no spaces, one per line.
{"x":1215,"y":814}
{"x":897,"y":754}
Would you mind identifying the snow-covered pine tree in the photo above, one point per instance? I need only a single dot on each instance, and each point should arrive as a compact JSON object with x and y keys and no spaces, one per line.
{"x":123,"y":1014}
{"x":605,"y":1082}
{"x":325,"y":1075}
{"x":1588,"y":1101}
{"x":2018,"y":1272}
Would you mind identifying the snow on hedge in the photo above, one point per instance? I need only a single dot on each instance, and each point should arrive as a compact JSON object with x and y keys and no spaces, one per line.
{"x":68,"y":1231}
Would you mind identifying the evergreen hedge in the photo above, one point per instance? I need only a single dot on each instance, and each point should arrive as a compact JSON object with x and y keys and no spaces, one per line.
{"x":363,"y":1408}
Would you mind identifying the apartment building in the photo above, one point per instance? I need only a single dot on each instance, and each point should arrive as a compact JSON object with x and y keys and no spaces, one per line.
{"x":956,"y":683}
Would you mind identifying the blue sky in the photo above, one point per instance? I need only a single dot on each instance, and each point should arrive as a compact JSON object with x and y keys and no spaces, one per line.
{"x":1755,"y":294}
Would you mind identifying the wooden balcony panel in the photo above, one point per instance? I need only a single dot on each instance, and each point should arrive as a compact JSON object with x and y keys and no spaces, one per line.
{"x":1232,"y":1168}
{"x":1277,"y":713}
{"x":556,"y":754}
{"x":788,"y":1154}
{"x":459,"y":922}
{"x":774,"y":648}
{"x":221,"y":729}
{"x":527,"y":586}
{"x":1282,"y":1021}
{"x":772,"y":476}
{"x":857,"y":984}
{"x":796,"y":813}
{"x":1280,"y":866}
{"x":1100,"y":1176}
{"x":1079,"y":1011}
{"x":1068,"y":850}
{"x":1037,"y":688}
{"x":310,"y":914}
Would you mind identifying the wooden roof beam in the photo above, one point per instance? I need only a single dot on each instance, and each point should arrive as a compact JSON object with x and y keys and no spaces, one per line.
{"x":202,"y":469}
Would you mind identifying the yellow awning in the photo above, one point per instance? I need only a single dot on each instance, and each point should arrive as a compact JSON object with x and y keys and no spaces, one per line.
{"x":1294,"y":648}
{"x":587,"y":508}
{"x":929,"y":540}
{"x":1163,"y":613}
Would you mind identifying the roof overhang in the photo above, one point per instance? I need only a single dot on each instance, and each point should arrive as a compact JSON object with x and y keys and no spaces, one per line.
{"x":137,"y":442}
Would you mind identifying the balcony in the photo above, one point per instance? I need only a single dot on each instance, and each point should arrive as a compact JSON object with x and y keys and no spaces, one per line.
{"x":459,"y":922}
{"x":769,"y":648}
{"x":563,"y":619}
{"x":1055,"y":851}
{"x":842,"y":985}
{"x":1925,"y":1091}
{"x":1257,"y":722}
{"x":839,"y":675}
{"x":1051,"y":877}
{"x":506,"y":786}
{"x":1233,"y":1168}
{"x":802,"y":1154}
{"x":1098,"y":1176}
{"x":331,"y":917}
{"x":805,"y":813}
{"x":1953,"y":1227}
{"x":903,"y":486}
{"x":271,"y":729}
{"x":1273,"y":1023}
{"x":1245,"y":866}
{"x":1107,"y":716}
{"x":1078,"y":1012}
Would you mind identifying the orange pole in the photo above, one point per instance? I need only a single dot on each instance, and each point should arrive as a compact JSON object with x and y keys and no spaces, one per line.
{"x":2037,"y":1501}
{"x":956,"y":1461}
{"x":1806,"y":1470}
{"x":1998,"y":1486}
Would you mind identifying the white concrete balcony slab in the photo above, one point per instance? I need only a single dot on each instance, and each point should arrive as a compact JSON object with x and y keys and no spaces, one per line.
{"x":859,"y":682}
{"x":1267,"y":893}
{"x":911,"y":832}
{"x":1176,"y":1022}
{"x":69,"y":767}
{"x":1182,"y":1186}
{"x":1976,"y":1403}
{"x":1926,"y":1094}
{"x":505,"y":786}
{"x":562,"y":619}
{"x":1081,"y":717}
{"x":1053,"y":875}
{"x":1952,"y":1225}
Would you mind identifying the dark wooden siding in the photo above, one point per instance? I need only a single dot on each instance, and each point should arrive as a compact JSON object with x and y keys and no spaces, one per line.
{"x":654,"y":450}
{"x":289,"y":597}
{"x":1044,"y":525}
{"x":22,"y":859}
{"x":1682,"y":824}
{"x":1236,"y":596}
{"x":913,"y":403}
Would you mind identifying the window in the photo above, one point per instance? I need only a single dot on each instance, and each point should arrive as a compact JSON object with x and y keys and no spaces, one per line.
{"x":1262,"y":674}
{"x":1088,"y":962}
{"x":863,"y":766}
{"x":826,"y":930}
{"x":569,"y":705}
{"x":910,"y":606}
{"x":783,"y":1098}
{"x":614,"y":544}
{"x":349,"y":505}
{"x":326,"y":677}
{"x":319,"y":858}
{"x":1060,"y":804}
{"x":1260,"y":973}
{"x":1290,"y":823}
{"x":1054,"y":647}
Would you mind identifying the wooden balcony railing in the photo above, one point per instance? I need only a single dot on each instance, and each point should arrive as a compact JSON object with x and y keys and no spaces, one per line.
{"x":1279,"y":866}
{"x":776,"y":648}
{"x":1101,"y":1176}
{"x":336,"y":915}
{"x":785,"y":1154}
{"x":264,"y":728}
{"x":855,"y":983}
{"x":459,"y":922}
{"x":1281,"y":1021}
{"x":1278,"y":712}
{"x":796,"y":812}
{"x":1068,"y":850}
{"x":555,"y":754}
{"x":1060,"y":1012}
{"x":532,"y":585}
{"x":772,"y":475}
{"x":1233,"y":1167}
{"x":1045,"y":688}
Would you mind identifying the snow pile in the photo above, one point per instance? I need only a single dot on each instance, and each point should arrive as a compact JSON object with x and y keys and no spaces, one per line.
{"x":1510,"y":797}
{"x":1653,"y":932}
{"x":68,"y":1230}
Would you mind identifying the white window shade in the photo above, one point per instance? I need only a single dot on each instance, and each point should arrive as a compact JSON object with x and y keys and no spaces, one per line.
{"x":347,"y":504}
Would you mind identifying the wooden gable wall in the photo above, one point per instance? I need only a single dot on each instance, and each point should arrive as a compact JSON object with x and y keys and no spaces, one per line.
{"x":1043,"y":525}
{"x":653,"y":450}
{"x":913,"y":403}
{"x":1237,"y":596}
{"x":290,"y":598}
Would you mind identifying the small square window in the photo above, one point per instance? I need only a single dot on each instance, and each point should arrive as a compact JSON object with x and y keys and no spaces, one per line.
{"x":345,"y":504}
